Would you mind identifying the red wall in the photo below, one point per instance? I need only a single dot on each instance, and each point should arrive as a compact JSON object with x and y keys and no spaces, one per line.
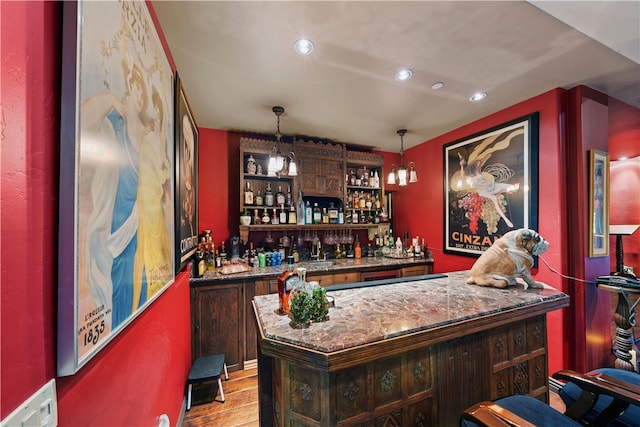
{"x":624,"y":141}
{"x":419,"y":207}
{"x":139,"y":375}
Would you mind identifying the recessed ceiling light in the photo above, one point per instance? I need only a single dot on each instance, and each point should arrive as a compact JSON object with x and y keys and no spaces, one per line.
{"x":304,"y":46}
{"x":477,"y":96}
{"x":437,"y":85}
{"x":404,"y":74}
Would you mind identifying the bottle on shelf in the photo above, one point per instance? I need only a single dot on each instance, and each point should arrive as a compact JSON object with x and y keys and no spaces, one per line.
{"x":275,"y":219}
{"x":223,"y":253}
{"x":317,"y":214}
{"x":268,"y":196}
{"x":288,"y":198}
{"x":248,"y":194}
{"x":325,"y":216}
{"x":308,"y":214}
{"x":355,"y":218}
{"x":283,"y":215}
{"x":357,"y":249}
{"x":340,"y":216}
{"x":265,"y":217}
{"x":300,"y":209}
{"x":292,"y":215}
{"x":280,"y":197}
{"x":286,"y":282}
{"x":258,"y":199}
{"x":365,"y":176}
{"x":256,"y":217}
{"x":200,"y":264}
{"x":333,"y":214}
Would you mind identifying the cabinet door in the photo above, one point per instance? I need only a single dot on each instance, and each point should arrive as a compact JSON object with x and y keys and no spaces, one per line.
{"x":218,"y":322}
{"x":416,"y":270}
{"x":333,"y":184}
{"x":259,"y":287}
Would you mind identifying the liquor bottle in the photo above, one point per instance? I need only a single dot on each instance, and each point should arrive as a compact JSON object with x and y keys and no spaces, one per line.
{"x":268,"y":196}
{"x":292,"y":215}
{"x":294,"y":250}
{"x":369,"y":201}
{"x":286,"y":282}
{"x":248,"y":194}
{"x":355,"y":217}
{"x":283,"y":214}
{"x":333,"y":214}
{"x":280,"y":197}
{"x":340,"y":216}
{"x":199,"y":264}
{"x":275,"y":219}
{"x":365,"y":177}
{"x":357,"y":249}
{"x":223,"y":253}
{"x":362,"y":203}
{"x":317,"y":214}
{"x":288,"y":198}
{"x":325,"y":216}
{"x":265,"y":217}
{"x":352,"y":177}
{"x":377,"y":203}
{"x":376,"y":180}
{"x":308,"y":214}
{"x":259,"y":200}
{"x":300,"y":208}
{"x":256,"y":217}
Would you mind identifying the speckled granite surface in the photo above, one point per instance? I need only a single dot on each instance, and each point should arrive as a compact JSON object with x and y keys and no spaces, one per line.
{"x":371,"y":314}
{"x":336,"y":266}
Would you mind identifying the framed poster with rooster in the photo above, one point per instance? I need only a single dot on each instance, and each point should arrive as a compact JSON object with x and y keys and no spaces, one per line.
{"x":490,"y":185}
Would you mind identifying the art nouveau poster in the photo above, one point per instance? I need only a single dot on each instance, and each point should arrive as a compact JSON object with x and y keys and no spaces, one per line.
{"x":117,"y":174}
{"x":490,"y":185}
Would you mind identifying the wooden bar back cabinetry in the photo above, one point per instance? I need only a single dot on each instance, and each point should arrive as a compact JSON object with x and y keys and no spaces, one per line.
{"x":222,"y":318}
{"x":323,"y":172}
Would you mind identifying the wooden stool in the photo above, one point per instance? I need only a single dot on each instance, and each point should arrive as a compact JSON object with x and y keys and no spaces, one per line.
{"x":207,"y":368}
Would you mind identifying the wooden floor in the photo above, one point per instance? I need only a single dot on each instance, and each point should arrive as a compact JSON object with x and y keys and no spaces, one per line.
{"x":241,"y":403}
{"x":240,"y":407}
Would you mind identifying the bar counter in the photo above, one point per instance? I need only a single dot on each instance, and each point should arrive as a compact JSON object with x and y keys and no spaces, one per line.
{"x":331,"y":265}
{"x":409,"y":353}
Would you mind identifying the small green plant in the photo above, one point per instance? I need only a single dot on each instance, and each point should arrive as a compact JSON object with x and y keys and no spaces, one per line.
{"x":300,"y":306}
{"x":319,"y":305}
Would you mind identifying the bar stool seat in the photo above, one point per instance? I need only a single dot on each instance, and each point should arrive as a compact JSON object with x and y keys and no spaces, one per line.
{"x":204,"y":369}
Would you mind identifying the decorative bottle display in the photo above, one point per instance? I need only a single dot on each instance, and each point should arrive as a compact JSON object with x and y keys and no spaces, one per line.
{"x":268,"y":196}
{"x":248,"y":194}
{"x":286,"y":282}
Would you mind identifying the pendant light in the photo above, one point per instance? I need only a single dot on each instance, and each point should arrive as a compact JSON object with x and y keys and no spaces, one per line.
{"x":277,"y":162}
{"x":399,"y":175}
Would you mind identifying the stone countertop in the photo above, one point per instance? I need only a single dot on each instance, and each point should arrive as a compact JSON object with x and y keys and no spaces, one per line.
{"x":370,"y":314}
{"x":336,"y":265}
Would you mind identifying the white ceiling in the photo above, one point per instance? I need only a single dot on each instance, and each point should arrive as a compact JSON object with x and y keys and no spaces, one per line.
{"x":236,"y":61}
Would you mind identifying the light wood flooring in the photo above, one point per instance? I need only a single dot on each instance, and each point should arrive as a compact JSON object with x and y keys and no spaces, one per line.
{"x":240,"y":408}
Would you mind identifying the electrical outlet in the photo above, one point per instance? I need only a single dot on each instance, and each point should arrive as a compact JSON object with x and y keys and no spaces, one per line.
{"x":40,"y":410}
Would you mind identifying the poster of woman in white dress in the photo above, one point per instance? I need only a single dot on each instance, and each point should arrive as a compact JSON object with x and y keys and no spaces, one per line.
{"x":124,"y":167}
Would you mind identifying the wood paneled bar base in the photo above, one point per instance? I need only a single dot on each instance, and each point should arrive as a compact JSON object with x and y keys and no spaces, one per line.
{"x":412,"y":353}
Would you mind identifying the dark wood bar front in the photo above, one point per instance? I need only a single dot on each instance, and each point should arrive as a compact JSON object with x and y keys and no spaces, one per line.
{"x":413,"y":353}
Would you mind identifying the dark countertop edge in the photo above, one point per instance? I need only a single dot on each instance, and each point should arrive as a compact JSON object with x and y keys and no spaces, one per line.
{"x":275,"y":271}
{"x":432,"y":334}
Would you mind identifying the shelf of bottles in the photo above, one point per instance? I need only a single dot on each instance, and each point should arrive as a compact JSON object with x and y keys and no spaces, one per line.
{"x":364,"y":198}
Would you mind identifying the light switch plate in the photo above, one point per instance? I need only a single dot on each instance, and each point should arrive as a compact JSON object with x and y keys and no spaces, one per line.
{"x":40,"y":410}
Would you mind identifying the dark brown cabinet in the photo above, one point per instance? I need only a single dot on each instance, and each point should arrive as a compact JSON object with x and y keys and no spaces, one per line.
{"x":218,"y":322}
{"x":222,"y":319}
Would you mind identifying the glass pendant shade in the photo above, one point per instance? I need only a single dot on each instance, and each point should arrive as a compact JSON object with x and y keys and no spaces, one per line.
{"x":293,"y":168}
{"x":391,"y":178}
{"x":413,"y":175}
{"x":402,"y":176}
